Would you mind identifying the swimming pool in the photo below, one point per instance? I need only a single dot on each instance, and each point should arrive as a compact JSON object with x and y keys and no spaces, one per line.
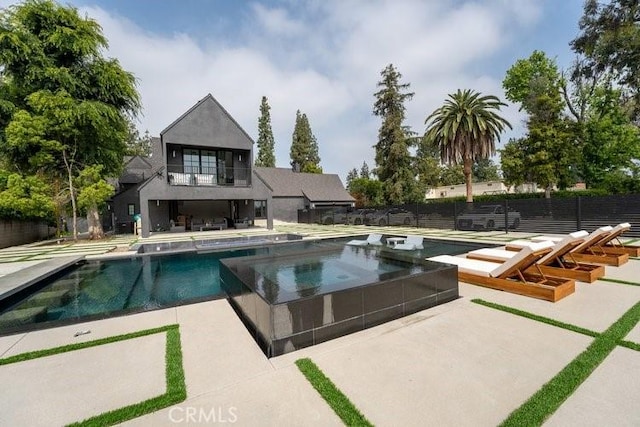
{"x":100,"y":289}
{"x":301,"y":299}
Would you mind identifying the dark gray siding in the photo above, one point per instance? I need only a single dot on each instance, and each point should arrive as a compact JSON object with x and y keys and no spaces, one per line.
{"x":207,"y":125}
{"x":286,"y":208}
{"x":120,"y":205}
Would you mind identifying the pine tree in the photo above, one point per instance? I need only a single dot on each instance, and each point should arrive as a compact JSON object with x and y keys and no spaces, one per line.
{"x":353,"y":174}
{"x":392,"y":149}
{"x":364,"y":170}
{"x":266,"y":157}
{"x":304,"y":147}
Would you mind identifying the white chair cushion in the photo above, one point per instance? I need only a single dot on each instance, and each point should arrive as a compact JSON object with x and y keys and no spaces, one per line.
{"x":470,"y":266}
{"x":492,"y":254}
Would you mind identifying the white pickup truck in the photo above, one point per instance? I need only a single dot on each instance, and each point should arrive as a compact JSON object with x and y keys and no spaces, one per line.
{"x":489,"y":217}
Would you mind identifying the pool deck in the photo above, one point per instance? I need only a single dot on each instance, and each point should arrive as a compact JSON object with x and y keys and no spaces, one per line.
{"x":455,"y":364}
{"x":27,"y":273}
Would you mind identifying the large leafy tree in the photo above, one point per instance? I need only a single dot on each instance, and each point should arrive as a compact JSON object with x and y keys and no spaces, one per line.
{"x":611,"y":144}
{"x":92,"y":195}
{"x":64,"y":106}
{"x":137,"y":145}
{"x":266,"y":143}
{"x":549,"y":150}
{"x":608,"y":43}
{"x":304,"y":146}
{"x":465,"y":129}
{"x":485,"y":170}
{"x":427,"y":164}
{"x":393,"y":161}
{"x":24,"y":198}
{"x":367,"y":192}
{"x":512,"y":162}
{"x":451,"y":175}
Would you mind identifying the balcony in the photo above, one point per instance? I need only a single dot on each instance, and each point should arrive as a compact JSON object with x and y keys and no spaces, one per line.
{"x":214,"y":177}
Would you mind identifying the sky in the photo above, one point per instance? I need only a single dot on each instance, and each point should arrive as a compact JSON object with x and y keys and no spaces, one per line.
{"x":324,"y":58}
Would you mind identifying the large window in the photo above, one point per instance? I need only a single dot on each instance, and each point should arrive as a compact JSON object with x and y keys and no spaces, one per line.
{"x":260,"y":208}
{"x":191,"y":160}
{"x":208,"y":162}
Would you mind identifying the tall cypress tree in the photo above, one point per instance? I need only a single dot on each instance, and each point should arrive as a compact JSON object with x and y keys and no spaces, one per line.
{"x":364,"y":170}
{"x":304,"y":146}
{"x":392,"y":149}
{"x":266,"y":143}
{"x":351,"y":176}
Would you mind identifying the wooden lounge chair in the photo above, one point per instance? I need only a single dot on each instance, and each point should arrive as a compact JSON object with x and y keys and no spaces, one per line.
{"x":558,"y":263}
{"x":591,"y":251}
{"x":614,"y":246}
{"x":411,"y":243}
{"x":373,"y":239}
{"x":512,"y":275}
{"x":611,"y":245}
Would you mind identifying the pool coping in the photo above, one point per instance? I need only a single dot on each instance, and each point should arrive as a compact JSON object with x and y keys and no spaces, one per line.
{"x":19,"y":280}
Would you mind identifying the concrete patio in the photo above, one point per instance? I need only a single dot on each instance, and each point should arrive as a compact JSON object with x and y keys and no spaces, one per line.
{"x":456,"y":364}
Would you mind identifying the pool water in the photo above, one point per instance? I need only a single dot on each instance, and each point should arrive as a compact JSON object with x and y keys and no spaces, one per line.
{"x":100,"y":289}
{"x":300,"y":276}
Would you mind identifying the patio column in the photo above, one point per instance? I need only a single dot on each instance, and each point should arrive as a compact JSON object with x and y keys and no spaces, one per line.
{"x":269,"y":212}
{"x":144,"y":213}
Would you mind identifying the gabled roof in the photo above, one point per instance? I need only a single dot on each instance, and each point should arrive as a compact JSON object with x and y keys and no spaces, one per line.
{"x":136,"y":162}
{"x":199,"y":103}
{"x":136,"y":169}
{"x":314,"y":186}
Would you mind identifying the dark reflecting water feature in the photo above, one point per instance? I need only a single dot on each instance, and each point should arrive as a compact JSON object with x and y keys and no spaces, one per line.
{"x":301,"y":299}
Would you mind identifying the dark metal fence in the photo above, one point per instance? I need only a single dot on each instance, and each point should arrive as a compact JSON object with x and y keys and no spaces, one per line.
{"x":536,"y":215}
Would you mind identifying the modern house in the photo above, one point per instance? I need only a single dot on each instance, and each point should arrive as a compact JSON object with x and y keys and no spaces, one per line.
{"x":200,"y":176}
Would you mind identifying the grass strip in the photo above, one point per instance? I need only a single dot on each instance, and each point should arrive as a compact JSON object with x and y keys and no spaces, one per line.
{"x":532,"y":316}
{"x":622,"y":282}
{"x":174,"y":373}
{"x":79,"y":346}
{"x":176,"y":389}
{"x":549,"y":398}
{"x":340,"y":403}
{"x":630,"y":344}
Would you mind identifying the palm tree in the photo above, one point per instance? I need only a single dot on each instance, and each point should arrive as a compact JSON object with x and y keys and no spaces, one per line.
{"x":465,"y":129}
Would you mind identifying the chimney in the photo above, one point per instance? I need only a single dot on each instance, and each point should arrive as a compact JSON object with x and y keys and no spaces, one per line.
{"x":296,"y":167}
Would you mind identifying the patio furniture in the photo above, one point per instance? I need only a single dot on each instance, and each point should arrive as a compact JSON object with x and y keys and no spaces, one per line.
{"x":411,"y":243}
{"x":242,"y":223}
{"x":392,"y":242}
{"x":373,"y":239}
{"x":555,"y":263}
{"x":611,"y":244}
{"x":512,"y":275}
{"x":589,"y":251}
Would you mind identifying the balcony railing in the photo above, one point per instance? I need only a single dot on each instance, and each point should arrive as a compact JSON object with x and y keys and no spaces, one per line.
{"x":226,"y":177}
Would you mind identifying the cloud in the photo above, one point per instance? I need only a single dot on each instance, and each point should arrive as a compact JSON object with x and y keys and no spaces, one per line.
{"x":323,"y":58}
{"x":277,"y":21}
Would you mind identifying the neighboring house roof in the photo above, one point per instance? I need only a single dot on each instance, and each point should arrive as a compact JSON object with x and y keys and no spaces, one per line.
{"x":136,"y":169}
{"x":136,"y":162}
{"x":199,"y":103}
{"x":314,"y":186}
